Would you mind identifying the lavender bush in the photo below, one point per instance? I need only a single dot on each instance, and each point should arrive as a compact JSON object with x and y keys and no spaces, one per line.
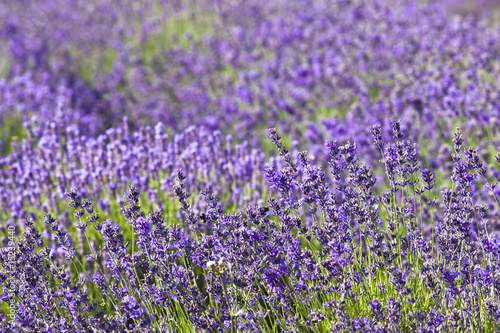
{"x":142,"y":191}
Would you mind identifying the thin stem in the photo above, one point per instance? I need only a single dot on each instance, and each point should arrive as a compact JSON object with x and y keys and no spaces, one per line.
{"x":228,"y":304}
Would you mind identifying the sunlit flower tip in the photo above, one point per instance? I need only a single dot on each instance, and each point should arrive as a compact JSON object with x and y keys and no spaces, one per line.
{"x":222,"y":265}
{"x":222,"y":262}
{"x":211,"y":265}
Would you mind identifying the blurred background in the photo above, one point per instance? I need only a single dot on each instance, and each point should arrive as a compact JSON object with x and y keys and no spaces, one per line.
{"x":240,"y":66}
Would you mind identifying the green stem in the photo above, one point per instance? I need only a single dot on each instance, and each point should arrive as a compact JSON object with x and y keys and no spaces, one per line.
{"x":228,"y":304}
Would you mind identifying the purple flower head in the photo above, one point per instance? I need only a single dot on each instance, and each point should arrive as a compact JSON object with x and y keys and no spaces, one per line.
{"x":429,"y":178}
{"x":396,"y":129}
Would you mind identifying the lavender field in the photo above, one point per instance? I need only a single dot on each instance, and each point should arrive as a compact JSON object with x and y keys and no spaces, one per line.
{"x":249,"y":166}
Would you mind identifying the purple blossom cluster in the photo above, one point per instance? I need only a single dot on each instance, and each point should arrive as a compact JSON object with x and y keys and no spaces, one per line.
{"x":53,"y":159}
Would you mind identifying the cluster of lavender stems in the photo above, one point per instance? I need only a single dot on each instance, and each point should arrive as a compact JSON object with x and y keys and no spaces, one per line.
{"x":323,"y":252}
{"x":141,"y":189}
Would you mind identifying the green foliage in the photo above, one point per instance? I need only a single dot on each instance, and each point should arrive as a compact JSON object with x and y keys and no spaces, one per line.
{"x":11,"y":130}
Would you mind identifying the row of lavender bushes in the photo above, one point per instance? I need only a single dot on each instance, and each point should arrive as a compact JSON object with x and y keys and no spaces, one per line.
{"x":315,"y":69}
